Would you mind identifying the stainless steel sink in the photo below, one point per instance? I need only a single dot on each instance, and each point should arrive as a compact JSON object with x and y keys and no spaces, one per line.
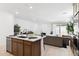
{"x":22,"y":36}
{"x":32,"y":37}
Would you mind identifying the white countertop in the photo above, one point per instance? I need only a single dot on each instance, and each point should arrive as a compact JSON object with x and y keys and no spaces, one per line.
{"x":32,"y":40}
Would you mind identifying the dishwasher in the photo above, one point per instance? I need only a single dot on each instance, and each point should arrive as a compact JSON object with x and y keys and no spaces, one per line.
{"x":8,"y":44}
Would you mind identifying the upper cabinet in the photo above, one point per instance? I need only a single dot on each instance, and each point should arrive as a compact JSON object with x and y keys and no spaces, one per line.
{"x":75,"y":8}
{"x":76,"y":16}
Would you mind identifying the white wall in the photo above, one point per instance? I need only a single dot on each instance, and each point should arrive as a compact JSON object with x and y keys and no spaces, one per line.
{"x":6,"y":26}
{"x":33,"y":26}
{"x":43,"y":27}
{"x":55,"y":29}
{"x":25,"y":24}
{"x":40,"y":27}
{"x":63,"y":30}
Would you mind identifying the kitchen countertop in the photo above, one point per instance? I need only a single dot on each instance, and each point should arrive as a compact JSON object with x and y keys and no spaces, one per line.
{"x":32,"y":40}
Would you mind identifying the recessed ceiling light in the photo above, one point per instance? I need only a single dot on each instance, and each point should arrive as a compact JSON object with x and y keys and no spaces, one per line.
{"x":30,"y":7}
{"x":17,"y":12}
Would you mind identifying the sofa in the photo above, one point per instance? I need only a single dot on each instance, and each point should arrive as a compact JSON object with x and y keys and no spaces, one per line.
{"x":54,"y":41}
{"x":66,"y":39}
{"x":57,"y":41}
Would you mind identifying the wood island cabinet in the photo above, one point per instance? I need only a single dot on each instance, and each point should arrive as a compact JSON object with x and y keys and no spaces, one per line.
{"x":32,"y":48}
{"x":26,"y":48}
{"x":20,"y":48}
{"x":14,"y":47}
{"x":17,"y":47}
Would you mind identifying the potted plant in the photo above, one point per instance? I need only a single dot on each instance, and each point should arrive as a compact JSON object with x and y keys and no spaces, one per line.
{"x":16,"y":29}
{"x":70,"y":28}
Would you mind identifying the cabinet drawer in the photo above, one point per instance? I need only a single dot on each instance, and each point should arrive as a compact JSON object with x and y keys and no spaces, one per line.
{"x":20,"y":41}
{"x":27,"y":43}
{"x":13,"y":39}
{"x":36,"y":43}
{"x":17,"y":40}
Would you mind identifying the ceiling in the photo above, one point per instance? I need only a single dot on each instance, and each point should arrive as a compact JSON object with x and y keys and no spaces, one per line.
{"x":40,"y":12}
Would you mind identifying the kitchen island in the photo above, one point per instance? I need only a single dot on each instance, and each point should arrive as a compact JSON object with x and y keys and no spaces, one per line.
{"x":25,"y":46}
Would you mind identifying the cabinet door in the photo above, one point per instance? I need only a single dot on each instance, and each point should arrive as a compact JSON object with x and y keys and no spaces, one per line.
{"x":36,"y":48}
{"x":27,"y":50}
{"x":20,"y":48}
{"x":17,"y":47}
{"x":14,"y":48}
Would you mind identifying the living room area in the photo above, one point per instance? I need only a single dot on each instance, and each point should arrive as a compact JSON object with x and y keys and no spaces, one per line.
{"x":39,"y":29}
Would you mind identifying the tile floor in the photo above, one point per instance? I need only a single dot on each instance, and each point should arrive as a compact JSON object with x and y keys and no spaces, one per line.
{"x":57,"y":51}
{"x":3,"y":51}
